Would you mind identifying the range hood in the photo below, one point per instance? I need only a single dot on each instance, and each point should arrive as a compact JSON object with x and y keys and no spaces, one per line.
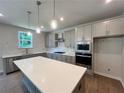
{"x":59,"y":37}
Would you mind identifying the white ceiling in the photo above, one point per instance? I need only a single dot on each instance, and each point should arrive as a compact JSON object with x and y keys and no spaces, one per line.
{"x":74,"y":11}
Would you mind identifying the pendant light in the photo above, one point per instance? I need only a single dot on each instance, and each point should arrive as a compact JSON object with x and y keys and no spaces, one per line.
{"x":28,"y":15}
{"x":54,"y":21}
{"x":38,"y":30}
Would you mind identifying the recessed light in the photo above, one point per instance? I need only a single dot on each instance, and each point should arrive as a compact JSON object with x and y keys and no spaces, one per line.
{"x":1,"y":14}
{"x":42,"y":27}
{"x":108,"y":1}
{"x":61,"y":19}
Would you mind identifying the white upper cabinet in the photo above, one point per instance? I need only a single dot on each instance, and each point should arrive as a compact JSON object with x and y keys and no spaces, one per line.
{"x":51,"y":40}
{"x":87,"y":33}
{"x":116,"y":27}
{"x":99,"y":29}
{"x":70,"y":38}
{"x":109,"y":28}
{"x":84,"y":33}
{"x":79,"y":33}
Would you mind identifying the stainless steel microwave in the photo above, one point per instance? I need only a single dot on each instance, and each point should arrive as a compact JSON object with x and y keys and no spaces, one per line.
{"x":83,"y":47}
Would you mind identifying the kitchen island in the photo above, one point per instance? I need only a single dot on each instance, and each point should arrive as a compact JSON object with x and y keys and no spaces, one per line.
{"x":43,"y":75}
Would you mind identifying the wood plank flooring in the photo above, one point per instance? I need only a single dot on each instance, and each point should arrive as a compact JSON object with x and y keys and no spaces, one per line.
{"x":93,"y":84}
{"x":100,"y":84}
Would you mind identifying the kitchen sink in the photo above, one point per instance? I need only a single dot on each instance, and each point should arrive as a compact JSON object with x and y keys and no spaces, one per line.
{"x":59,"y":52}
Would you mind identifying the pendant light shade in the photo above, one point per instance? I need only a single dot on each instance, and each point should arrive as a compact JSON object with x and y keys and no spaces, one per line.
{"x":38,"y":30}
{"x":54,"y":24}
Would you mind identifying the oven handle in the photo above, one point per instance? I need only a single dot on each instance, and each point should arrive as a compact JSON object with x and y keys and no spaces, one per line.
{"x":83,"y":56}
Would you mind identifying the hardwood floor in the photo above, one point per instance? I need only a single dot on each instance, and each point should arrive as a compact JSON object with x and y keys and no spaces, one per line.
{"x":93,"y":84}
{"x":100,"y":84}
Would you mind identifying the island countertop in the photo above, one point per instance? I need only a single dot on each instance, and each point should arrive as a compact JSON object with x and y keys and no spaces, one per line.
{"x":51,"y":76}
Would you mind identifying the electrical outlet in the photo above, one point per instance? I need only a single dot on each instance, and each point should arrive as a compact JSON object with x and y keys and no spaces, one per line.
{"x":109,"y":70}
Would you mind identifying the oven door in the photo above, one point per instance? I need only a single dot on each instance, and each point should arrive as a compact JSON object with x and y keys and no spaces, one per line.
{"x":84,"y":59}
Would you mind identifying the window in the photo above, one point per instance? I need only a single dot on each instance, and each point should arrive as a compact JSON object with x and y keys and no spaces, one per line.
{"x":25,"y":40}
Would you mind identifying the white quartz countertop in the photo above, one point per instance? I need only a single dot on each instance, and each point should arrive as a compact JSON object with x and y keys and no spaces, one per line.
{"x":51,"y":76}
{"x":16,"y":55}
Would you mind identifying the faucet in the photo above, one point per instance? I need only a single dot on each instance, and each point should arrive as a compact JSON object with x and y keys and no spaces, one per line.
{"x":26,"y":51}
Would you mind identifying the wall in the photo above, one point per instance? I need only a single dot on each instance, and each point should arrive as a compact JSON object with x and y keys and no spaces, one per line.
{"x":108,"y":57}
{"x":123,"y":64}
{"x":9,"y":41}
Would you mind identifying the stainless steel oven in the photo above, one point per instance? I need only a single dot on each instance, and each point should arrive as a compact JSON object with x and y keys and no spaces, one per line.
{"x":84,"y":58}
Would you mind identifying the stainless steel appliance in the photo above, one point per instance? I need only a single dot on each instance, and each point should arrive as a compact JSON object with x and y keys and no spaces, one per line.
{"x":83,"y":54}
{"x":84,"y":47}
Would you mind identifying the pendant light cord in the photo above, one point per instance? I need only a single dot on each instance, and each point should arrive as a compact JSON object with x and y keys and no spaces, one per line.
{"x":54,"y":6}
{"x":38,"y":15}
{"x":28,"y":14}
{"x":38,"y":8}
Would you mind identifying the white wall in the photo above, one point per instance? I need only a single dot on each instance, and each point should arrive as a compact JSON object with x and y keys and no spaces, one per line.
{"x":108,"y":55}
{"x":9,"y":41}
{"x":123,"y":64}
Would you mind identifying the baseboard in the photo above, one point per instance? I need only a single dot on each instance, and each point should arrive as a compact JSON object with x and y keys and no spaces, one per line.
{"x":106,"y":75}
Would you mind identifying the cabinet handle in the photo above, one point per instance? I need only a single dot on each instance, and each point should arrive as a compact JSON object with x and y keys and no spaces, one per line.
{"x":80,"y":87}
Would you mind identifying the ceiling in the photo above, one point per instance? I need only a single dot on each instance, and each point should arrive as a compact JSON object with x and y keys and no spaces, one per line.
{"x":74,"y":12}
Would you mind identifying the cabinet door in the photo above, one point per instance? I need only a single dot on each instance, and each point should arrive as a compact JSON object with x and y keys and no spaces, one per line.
{"x":72,"y":39}
{"x":116,"y":27}
{"x":87,"y":33}
{"x":67,"y":39}
{"x":80,"y":88}
{"x":63,"y":58}
{"x":73,"y":60}
{"x":51,"y":40}
{"x":79,"y":33}
{"x":99,"y":29}
{"x":10,"y":66}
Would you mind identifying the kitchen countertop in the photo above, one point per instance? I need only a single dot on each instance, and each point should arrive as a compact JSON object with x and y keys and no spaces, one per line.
{"x":66,"y":53}
{"x":16,"y":55}
{"x":51,"y":76}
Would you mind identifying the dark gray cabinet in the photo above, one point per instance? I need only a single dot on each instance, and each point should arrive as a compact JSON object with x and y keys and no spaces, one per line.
{"x":28,"y":86}
{"x":9,"y":65}
{"x":63,"y":58}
